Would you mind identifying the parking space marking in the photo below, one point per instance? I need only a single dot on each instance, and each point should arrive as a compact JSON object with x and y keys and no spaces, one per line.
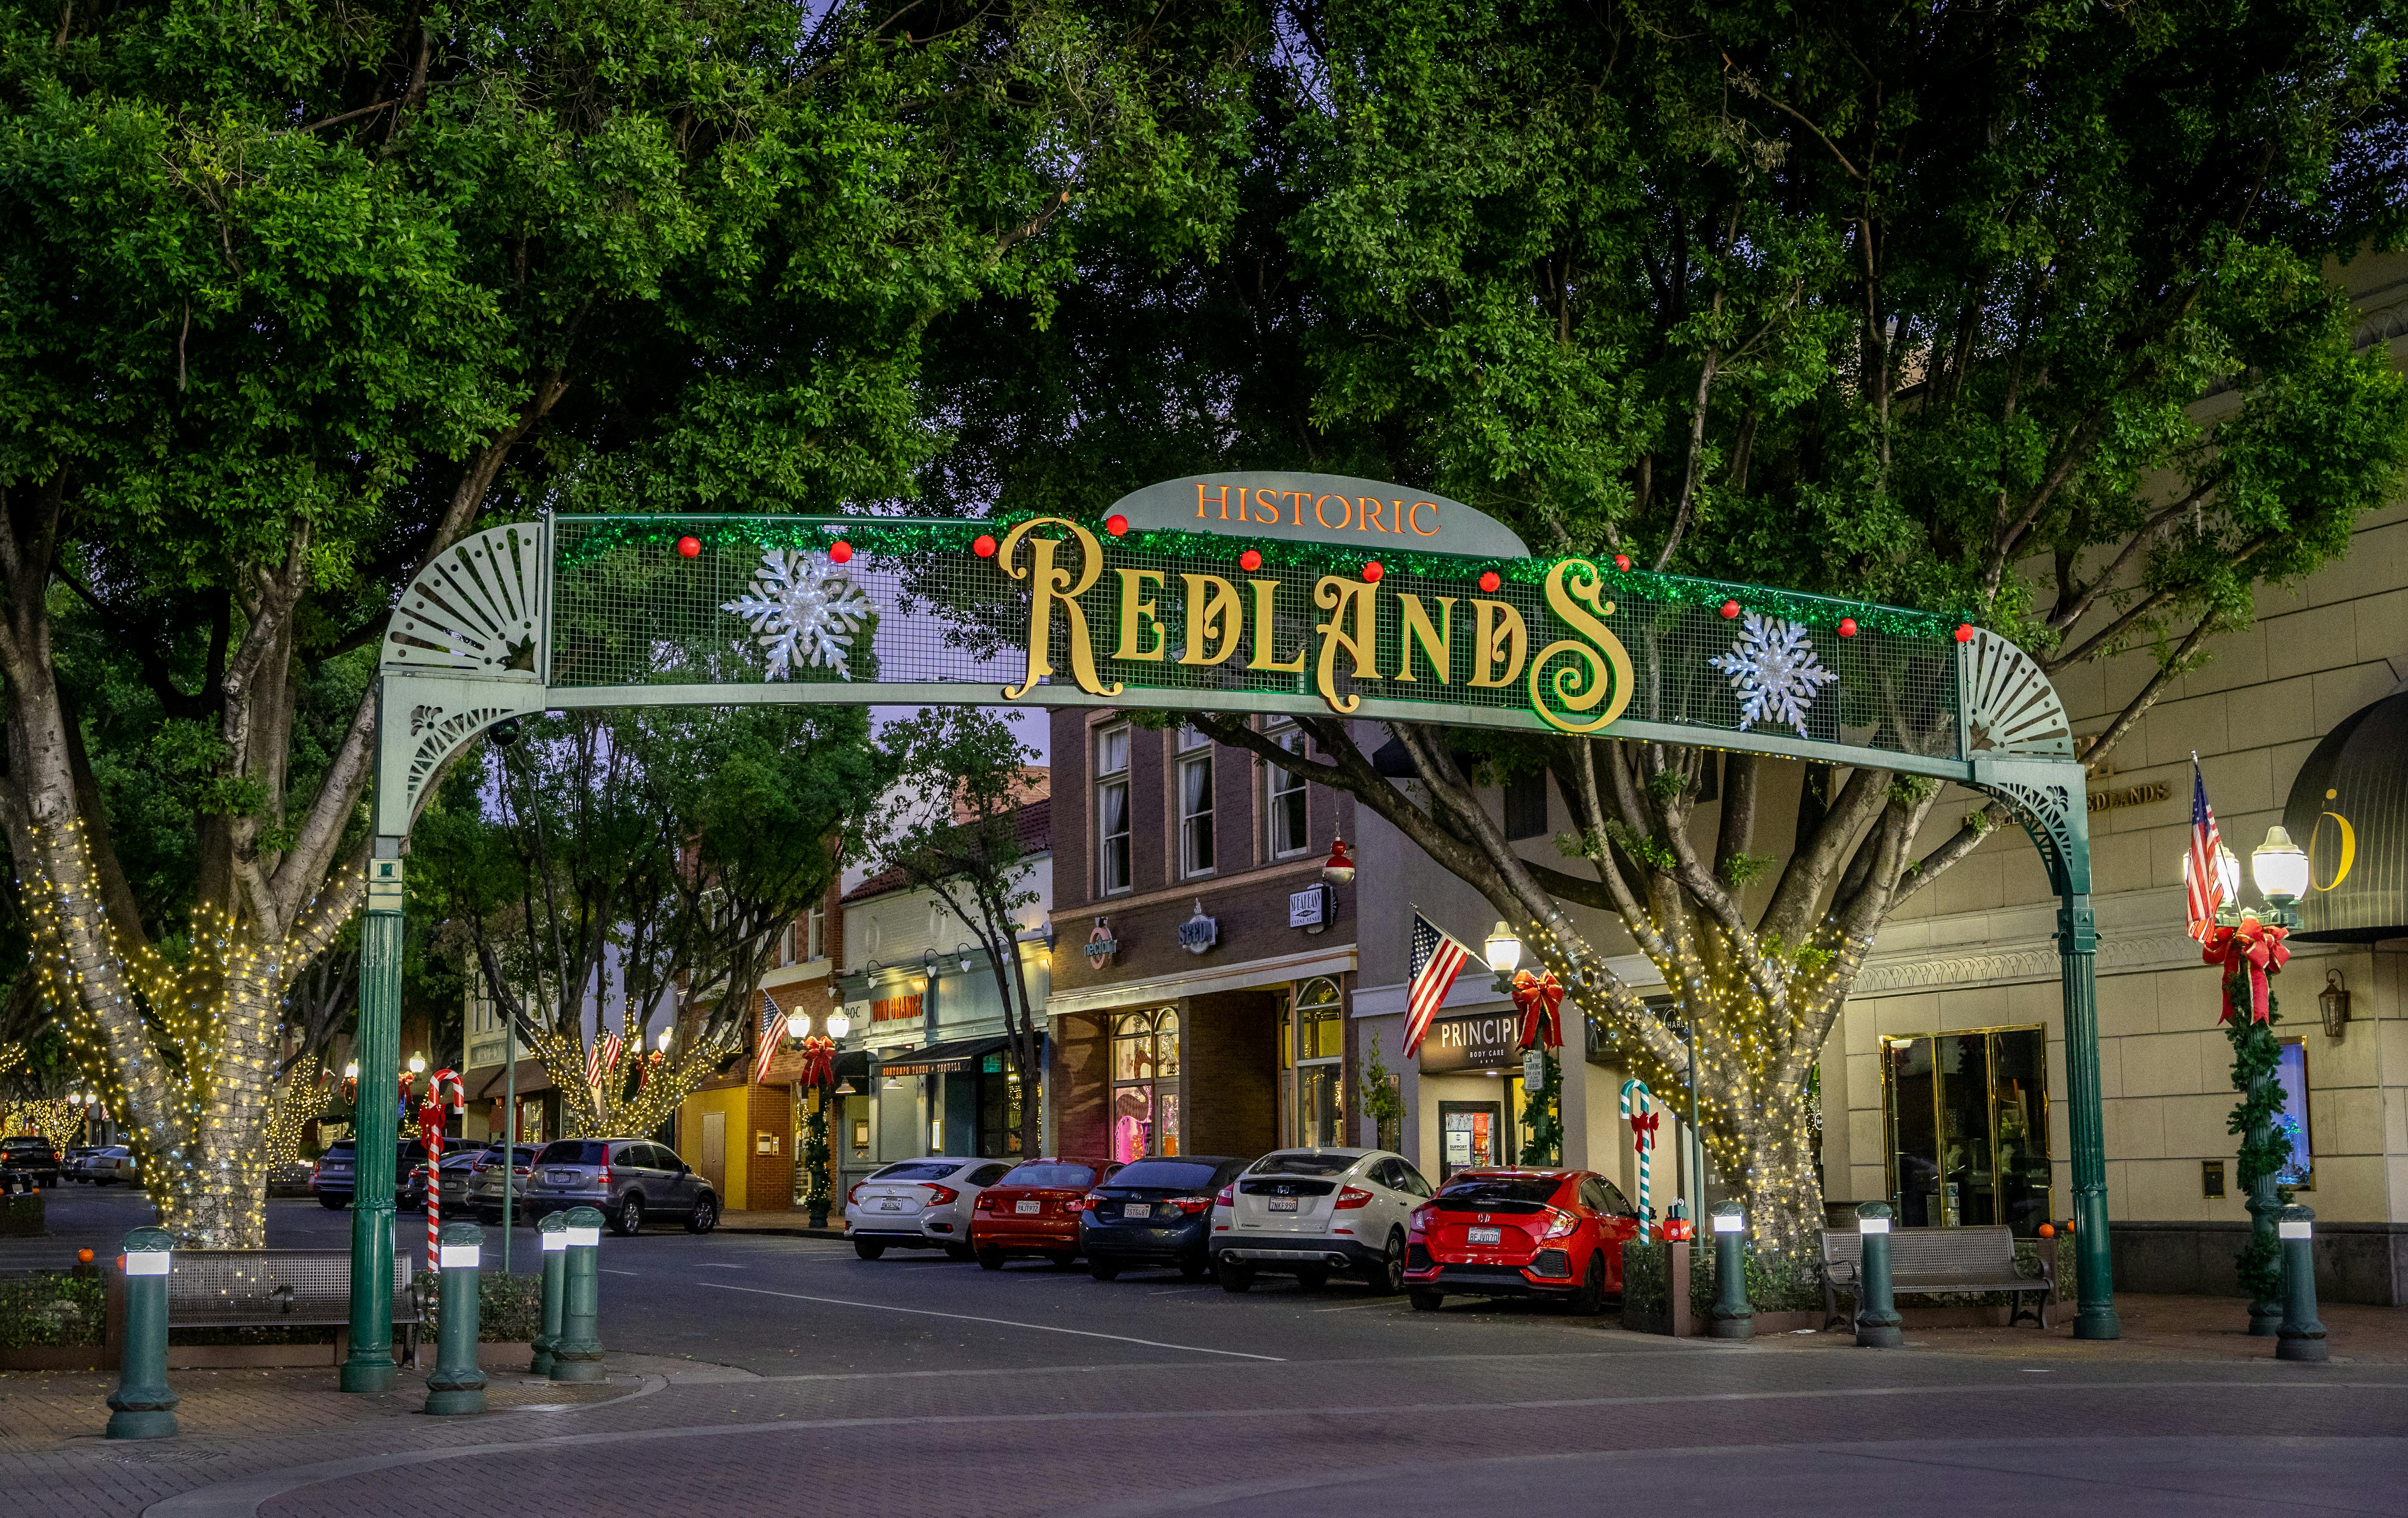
{"x":1006,"y":1323}
{"x":1357,"y":1306}
{"x":722,"y":1265}
{"x":608,"y":1271}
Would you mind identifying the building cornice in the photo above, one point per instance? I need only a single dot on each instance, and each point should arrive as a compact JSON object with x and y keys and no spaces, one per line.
{"x":1204,"y":978}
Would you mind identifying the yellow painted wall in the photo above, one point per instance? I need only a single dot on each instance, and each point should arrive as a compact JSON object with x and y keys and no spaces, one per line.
{"x":732,"y":1103}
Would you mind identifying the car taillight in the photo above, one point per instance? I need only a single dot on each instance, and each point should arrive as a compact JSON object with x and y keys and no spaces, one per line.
{"x":1227,"y":1197}
{"x":854,"y":1194}
{"x":1353,"y":1197}
{"x":602,"y":1178}
{"x":1192,"y":1204}
{"x":1420,"y":1221}
{"x":939,"y":1196}
{"x":985,"y":1202}
{"x":1560,"y":1224}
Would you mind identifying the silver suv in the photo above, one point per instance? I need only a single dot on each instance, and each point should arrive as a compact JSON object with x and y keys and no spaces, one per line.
{"x":630,"y":1179}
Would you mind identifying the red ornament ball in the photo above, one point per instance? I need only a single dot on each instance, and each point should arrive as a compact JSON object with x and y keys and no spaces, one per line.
{"x":1847,"y":626}
{"x":1488,"y":580}
{"x":1964,"y":632}
{"x":1371,"y":571}
{"x":689,"y":548}
{"x":983,"y":546}
{"x":840,"y":551}
{"x":1730,"y":609}
{"x":1116,"y":525}
{"x":1622,"y":561}
{"x":1250,"y":561}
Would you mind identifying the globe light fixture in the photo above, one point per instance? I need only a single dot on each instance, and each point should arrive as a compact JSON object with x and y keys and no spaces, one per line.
{"x":1504,"y":952}
{"x":418,"y":1064}
{"x":839,"y":1024}
{"x":2280,"y":868}
{"x":351,"y":1070}
{"x":665,"y":1039}
{"x":799,"y":1024}
{"x":2227,"y":875}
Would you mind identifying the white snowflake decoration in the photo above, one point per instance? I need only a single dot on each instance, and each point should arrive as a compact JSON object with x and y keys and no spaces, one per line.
{"x":1773,"y":669}
{"x":802,"y":611}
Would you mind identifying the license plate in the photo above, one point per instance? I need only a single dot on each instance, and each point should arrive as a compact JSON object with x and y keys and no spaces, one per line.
{"x":1483,"y":1236}
{"x":1136,"y":1209}
{"x":563,"y":1178}
{"x":1284,"y":1204}
{"x":1026,"y":1208}
{"x":890,"y":1207}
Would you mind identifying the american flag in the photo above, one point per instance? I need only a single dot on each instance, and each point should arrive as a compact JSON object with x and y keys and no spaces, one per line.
{"x":1437,"y":959}
{"x":2203,"y":882}
{"x":612,"y":1048}
{"x":773,"y":1033}
{"x":593,"y":1064}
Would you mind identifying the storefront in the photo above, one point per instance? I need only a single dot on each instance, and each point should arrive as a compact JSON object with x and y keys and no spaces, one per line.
{"x":1967,"y":1115}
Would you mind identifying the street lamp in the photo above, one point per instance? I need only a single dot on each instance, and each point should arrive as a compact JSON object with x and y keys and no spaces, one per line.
{"x":665,"y":1039}
{"x":418,"y":1064}
{"x":351,"y":1070}
{"x":1504,"y":952}
{"x":839,"y":1024}
{"x":799,"y":1024}
{"x":964,"y":950}
{"x":2280,"y":868}
{"x":2227,"y":875}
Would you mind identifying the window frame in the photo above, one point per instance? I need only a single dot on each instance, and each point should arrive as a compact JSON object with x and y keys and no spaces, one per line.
{"x":1188,"y":761}
{"x":1104,"y":781}
{"x":1278,"y":786}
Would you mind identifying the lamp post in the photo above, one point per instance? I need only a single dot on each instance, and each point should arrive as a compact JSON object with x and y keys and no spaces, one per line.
{"x":2280,"y":870}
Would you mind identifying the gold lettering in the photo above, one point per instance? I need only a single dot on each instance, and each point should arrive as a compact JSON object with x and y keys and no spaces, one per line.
{"x":1498,"y":636}
{"x":1600,"y":676}
{"x":1214,"y":615}
{"x":1299,"y":497}
{"x":1138,"y":617}
{"x":1372,"y":506}
{"x":1049,"y":584}
{"x":2348,"y":849}
{"x":1437,"y":643}
{"x":1224,"y":502}
{"x":1400,"y":518}
{"x":1346,"y":599}
{"x":1344,"y":516}
{"x":1414,"y":518}
{"x":1265,"y":648}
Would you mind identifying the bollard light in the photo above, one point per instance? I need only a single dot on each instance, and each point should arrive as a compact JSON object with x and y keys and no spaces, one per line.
{"x":553,"y":1230}
{"x":1732,"y":1316}
{"x":577,"y":1354}
{"x":1878,"y":1325}
{"x":143,"y":1405}
{"x":1729,"y":1223}
{"x":458,"y":1386}
{"x":2302,"y":1337}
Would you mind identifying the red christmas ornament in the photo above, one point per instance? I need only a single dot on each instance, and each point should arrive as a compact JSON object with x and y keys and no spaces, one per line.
{"x":1116,"y":525}
{"x":1964,"y":632}
{"x":983,"y":546}
{"x":1488,"y":580}
{"x":1250,"y":561}
{"x":1730,"y":609}
{"x":1371,"y":571}
{"x":1622,"y":561}
{"x":840,"y":551}
{"x":689,"y":547}
{"x":1847,"y":626}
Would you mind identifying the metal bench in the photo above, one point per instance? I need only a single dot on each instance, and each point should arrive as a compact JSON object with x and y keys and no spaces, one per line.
{"x":1924,"y":1261}
{"x":280,"y":1288}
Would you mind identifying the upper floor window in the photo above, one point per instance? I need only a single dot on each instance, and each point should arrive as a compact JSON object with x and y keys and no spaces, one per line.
{"x":815,"y":934}
{"x":1112,"y":809}
{"x":1195,"y":804}
{"x":1525,"y":806}
{"x":1283,"y":799}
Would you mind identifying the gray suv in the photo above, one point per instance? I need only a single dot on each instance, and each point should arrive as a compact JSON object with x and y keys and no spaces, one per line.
{"x":630,"y":1179}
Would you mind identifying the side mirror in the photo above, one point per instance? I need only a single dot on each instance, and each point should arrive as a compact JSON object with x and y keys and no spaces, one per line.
{"x":683,"y":1169}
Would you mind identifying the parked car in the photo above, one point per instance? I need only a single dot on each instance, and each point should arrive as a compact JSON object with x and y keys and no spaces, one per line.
{"x":480,"y":1179}
{"x":1551,"y":1234}
{"x":923,"y":1203}
{"x":1034,"y":1209}
{"x":31,"y":1155}
{"x":627,"y":1179}
{"x":1155,"y":1213}
{"x":109,"y":1166}
{"x":71,"y":1163}
{"x":332,"y":1180}
{"x":1308,"y":1212}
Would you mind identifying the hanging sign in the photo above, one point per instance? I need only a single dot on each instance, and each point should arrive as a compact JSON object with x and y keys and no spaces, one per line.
{"x":1199,"y":932}
{"x":1101,"y":945}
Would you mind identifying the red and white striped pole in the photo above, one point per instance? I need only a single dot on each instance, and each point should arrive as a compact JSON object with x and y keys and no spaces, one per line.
{"x":430,"y":1130}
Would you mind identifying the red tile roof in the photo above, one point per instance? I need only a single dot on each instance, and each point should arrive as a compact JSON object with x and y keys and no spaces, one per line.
{"x":1033,"y":828}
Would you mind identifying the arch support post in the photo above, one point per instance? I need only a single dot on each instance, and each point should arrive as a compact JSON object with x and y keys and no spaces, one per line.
{"x":376,"y":1122}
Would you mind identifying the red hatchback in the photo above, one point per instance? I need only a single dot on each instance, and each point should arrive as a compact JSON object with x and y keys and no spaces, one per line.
{"x":1520,"y":1233}
{"x":1034,"y":1210}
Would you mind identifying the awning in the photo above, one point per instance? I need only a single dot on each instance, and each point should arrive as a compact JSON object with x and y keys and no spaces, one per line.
{"x":2349,"y":808}
{"x":950,"y":1058}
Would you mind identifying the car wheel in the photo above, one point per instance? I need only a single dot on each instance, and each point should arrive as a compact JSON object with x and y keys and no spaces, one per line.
{"x":1236,"y":1277}
{"x":1427,"y":1301}
{"x":1590,"y":1300}
{"x":867,"y":1250}
{"x":1195,"y":1270}
{"x":1063,"y":1259}
{"x":332,"y":1204}
{"x":630,"y":1220}
{"x":1388,"y":1279}
{"x":1103,"y":1271}
{"x":704,"y":1216}
{"x":990,"y":1259}
{"x":1312,"y":1279}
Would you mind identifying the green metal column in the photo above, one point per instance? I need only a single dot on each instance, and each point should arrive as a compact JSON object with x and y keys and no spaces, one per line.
{"x":375,"y":1127}
{"x":2077,"y":950}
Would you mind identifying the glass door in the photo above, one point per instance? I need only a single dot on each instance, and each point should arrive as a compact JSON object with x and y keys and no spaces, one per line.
{"x":1968,"y":1125}
{"x":1468,"y":1134}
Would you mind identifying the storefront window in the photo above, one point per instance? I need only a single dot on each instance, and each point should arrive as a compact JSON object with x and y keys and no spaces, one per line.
{"x":998,"y":1107}
{"x":1145,"y":1084}
{"x":1320,"y":1050}
{"x":1969,"y":1128}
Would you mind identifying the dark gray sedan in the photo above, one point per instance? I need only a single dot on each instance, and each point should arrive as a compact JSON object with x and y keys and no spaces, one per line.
{"x":629,"y":1179}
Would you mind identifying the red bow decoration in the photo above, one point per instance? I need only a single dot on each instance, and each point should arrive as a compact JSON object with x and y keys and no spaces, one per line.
{"x":1539,"y":996}
{"x":2252,"y":945}
{"x":1642,"y":1128}
{"x":819,"y":1061}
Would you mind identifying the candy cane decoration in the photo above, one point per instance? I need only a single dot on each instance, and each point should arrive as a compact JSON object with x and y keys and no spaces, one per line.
{"x":430,"y":1130}
{"x":1639,"y":1111}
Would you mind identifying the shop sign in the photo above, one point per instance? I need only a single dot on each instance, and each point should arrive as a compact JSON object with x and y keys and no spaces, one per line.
{"x":893,"y":1009}
{"x":1309,"y":908}
{"x":1101,"y":945}
{"x":1482,"y":1041}
{"x":906,"y":1065}
{"x":1199,"y":932}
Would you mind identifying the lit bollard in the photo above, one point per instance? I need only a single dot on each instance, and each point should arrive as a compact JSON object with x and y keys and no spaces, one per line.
{"x":1732,"y":1318}
{"x":2302,"y":1337}
{"x":143,"y":1407}
{"x":457,"y":1385}
{"x":1878,"y":1325}
{"x":553,"y":1230}
{"x":577,"y":1354}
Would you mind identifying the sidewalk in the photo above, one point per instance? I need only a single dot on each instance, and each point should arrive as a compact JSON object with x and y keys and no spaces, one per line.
{"x":2161,"y":1329}
{"x":794,"y":1222}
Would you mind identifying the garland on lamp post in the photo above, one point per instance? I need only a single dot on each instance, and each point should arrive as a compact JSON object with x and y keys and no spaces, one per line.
{"x":818,"y":1078}
{"x":2251,"y":953}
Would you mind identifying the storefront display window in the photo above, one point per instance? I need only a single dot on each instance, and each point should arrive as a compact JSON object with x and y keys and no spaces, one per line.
{"x":1967,"y":1119}
{"x":1320,"y":1067}
{"x":998,"y":1107}
{"x":2300,"y":1172}
{"x":1145,"y":1084}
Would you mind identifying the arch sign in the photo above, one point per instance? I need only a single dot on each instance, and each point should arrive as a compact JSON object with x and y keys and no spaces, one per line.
{"x":1267,"y":591}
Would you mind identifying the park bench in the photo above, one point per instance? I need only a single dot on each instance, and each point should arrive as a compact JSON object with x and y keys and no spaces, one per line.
{"x":280,"y":1288}
{"x":1924,"y":1261}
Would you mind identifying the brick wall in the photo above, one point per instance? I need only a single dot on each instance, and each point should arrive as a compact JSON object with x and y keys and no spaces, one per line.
{"x":1229,"y":1072}
{"x":1078,"y":1070}
{"x":769,"y":1179}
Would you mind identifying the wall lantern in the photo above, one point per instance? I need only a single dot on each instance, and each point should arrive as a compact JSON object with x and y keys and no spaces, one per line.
{"x":2333,"y":1002}
{"x":964,"y":950}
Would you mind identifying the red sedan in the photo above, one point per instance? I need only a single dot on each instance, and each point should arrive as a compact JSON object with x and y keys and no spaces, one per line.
{"x":1034,"y":1210}
{"x":1556,"y":1234}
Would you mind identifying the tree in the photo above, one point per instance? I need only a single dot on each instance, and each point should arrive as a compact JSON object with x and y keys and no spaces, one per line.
{"x":2015,"y":315}
{"x":291,"y":306}
{"x":959,"y":830}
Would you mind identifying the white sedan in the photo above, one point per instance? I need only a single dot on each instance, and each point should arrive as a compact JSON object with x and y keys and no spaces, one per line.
{"x":923,"y":1203}
{"x":1308,"y":1212}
